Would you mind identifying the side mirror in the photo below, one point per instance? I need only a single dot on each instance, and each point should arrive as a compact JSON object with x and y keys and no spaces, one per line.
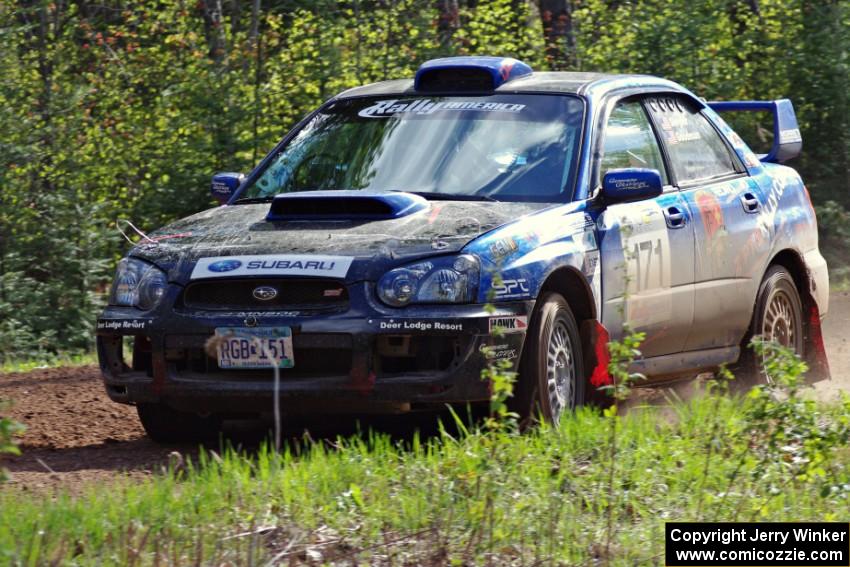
{"x":224,"y":185}
{"x":632,"y":184}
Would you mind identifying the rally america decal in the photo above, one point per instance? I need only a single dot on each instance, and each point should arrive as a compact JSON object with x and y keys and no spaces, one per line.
{"x":272,"y":265}
{"x":392,"y":107}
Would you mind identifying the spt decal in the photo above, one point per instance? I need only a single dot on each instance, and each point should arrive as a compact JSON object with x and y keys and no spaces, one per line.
{"x":511,"y":288}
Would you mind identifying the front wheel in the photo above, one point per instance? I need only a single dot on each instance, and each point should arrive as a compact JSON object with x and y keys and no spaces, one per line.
{"x":551,"y":380}
{"x":778,"y":318}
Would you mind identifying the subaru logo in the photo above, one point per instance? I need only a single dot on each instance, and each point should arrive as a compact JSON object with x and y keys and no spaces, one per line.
{"x":224,"y":266}
{"x":265,"y":293}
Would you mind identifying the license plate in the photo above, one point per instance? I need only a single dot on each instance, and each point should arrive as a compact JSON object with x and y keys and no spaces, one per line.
{"x":261,"y":347}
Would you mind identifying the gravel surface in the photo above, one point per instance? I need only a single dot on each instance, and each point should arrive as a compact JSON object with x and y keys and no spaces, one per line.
{"x":74,"y":433}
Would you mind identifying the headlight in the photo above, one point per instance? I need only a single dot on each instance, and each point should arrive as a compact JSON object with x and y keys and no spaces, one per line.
{"x":138,"y":284}
{"x":449,"y":279}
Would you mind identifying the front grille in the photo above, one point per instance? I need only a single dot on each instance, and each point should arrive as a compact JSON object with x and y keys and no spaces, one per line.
{"x":291,"y":294}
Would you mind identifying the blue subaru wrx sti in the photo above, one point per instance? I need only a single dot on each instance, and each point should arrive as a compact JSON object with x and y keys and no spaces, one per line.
{"x":359,"y":255}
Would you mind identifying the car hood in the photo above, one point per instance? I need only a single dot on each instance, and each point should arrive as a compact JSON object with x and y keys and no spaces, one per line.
{"x":238,"y":230}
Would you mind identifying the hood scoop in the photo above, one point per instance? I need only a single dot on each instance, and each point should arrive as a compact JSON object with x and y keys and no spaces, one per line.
{"x":344,"y":205}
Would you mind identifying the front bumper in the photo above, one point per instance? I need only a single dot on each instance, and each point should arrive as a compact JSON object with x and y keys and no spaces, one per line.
{"x":372,"y":359}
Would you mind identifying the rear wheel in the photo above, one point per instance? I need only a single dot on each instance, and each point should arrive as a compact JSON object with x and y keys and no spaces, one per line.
{"x":778,"y":318}
{"x":166,"y":425}
{"x":551,"y":380}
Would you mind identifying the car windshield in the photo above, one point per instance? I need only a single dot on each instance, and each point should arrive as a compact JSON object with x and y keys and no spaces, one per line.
{"x":497,"y":147}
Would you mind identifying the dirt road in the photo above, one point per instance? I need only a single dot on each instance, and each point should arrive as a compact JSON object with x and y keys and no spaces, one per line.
{"x":76,"y":436}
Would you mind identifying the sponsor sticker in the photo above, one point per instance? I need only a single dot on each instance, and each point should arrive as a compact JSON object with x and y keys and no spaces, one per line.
{"x":750,"y":159}
{"x":590,"y":263}
{"x":420,"y":106}
{"x":735,"y":138}
{"x":711,"y":212}
{"x":498,"y":352}
{"x":419,"y":325}
{"x":511,"y":288}
{"x":630,"y":183}
{"x":790,"y":136}
{"x":509,"y":324}
{"x":122,"y":324}
{"x":503,"y":247}
{"x":273,"y":265}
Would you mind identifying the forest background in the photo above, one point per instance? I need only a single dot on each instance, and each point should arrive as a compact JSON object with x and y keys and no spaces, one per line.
{"x":124,"y":109}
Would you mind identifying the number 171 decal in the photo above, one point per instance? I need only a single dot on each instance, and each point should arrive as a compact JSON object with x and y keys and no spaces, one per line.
{"x":647,"y":253}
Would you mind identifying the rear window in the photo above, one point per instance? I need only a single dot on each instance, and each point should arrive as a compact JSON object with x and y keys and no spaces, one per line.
{"x":695,"y":148}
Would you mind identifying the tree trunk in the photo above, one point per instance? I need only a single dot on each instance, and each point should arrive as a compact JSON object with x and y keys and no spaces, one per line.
{"x":559,"y":33}
{"x":254,"y":40}
{"x":448,"y":20}
{"x":211,"y":11}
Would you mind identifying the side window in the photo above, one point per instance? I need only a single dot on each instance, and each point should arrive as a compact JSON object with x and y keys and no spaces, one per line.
{"x":630,"y":141}
{"x":695,"y":149}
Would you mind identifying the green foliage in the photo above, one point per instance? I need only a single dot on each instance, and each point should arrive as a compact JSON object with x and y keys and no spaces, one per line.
{"x":792,"y":441}
{"x":623,"y":353}
{"x":112,"y":111}
{"x":469,"y":498}
{"x":500,"y":27}
{"x":12,"y":365}
{"x":735,"y":49}
{"x":8,"y":430}
{"x":501,"y":378}
{"x":498,"y":374}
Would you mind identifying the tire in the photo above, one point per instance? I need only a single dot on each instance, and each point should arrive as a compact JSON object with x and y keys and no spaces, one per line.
{"x":551,"y":378}
{"x":778,"y":317}
{"x":166,"y":425}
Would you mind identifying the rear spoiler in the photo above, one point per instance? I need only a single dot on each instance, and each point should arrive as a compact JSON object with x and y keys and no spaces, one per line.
{"x":787,"y":142}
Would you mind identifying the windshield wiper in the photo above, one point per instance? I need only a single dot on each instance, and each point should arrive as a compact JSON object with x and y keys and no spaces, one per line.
{"x":252,"y":200}
{"x":435,"y":196}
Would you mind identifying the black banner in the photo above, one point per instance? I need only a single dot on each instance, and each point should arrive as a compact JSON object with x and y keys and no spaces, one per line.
{"x":768,"y":544}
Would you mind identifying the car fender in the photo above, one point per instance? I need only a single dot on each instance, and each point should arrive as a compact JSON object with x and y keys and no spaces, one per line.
{"x":789,"y":216}
{"x":517,"y":259}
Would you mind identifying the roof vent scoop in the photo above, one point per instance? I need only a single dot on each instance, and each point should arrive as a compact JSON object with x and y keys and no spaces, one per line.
{"x":468,"y":73}
{"x":344,"y":205}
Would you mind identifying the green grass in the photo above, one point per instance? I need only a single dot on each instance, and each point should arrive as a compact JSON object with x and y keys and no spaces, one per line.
{"x":467,"y":498}
{"x":48,"y":361}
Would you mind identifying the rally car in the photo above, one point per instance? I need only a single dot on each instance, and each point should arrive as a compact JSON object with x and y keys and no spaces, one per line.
{"x":408,"y":233}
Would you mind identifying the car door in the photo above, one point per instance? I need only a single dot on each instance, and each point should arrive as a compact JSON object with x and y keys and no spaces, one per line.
{"x":726,"y":204}
{"x":646,"y":246}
